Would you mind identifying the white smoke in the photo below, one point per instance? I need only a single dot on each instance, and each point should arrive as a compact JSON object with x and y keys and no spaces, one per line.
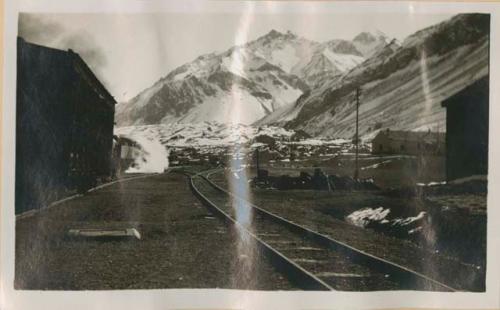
{"x":152,"y":156}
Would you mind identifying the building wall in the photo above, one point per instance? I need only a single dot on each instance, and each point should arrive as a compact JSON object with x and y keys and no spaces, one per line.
{"x":61,"y":123}
{"x":467,"y":115}
{"x":382,"y":144}
{"x":92,"y":136}
{"x":394,"y":147}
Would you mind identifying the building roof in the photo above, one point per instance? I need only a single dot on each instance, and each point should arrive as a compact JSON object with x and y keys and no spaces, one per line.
{"x":77,"y":61}
{"x":415,"y":136}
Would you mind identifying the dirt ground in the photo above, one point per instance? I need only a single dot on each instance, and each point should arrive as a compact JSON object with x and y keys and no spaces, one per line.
{"x":324,"y":212}
{"x":387,"y":171}
{"x":182,"y":245}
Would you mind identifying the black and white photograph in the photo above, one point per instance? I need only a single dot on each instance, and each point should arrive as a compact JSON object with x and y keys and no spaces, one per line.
{"x":249,"y":151}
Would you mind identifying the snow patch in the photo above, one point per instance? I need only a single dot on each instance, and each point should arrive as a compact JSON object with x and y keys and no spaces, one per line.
{"x":363,"y":217}
{"x":285,"y":58}
{"x":431,"y":184}
{"x":375,"y":166}
{"x":343,"y":62}
{"x":409,"y":220}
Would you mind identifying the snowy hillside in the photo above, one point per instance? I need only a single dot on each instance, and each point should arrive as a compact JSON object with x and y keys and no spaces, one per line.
{"x":235,"y":86}
{"x":282,"y":79}
{"x":331,"y":59}
{"x":307,"y":59}
{"x":203,"y":134}
{"x":402,"y":86}
{"x":242,"y":84}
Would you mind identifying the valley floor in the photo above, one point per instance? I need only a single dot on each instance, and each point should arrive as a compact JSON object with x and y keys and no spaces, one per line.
{"x":183,"y":245}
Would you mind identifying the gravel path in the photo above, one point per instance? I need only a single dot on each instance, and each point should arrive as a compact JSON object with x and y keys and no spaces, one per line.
{"x":182,"y":245}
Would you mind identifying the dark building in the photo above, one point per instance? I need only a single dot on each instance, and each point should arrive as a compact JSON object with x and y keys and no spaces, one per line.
{"x":408,"y":142}
{"x":467,"y":114}
{"x":64,"y":129}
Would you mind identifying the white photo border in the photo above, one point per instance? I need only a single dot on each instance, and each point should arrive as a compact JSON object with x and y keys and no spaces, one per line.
{"x":237,"y":299}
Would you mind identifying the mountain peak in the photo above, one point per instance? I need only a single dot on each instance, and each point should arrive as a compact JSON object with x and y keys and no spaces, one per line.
{"x":370,"y":42}
{"x":342,"y":47}
{"x":370,"y":36}
{"x":275,"y":34}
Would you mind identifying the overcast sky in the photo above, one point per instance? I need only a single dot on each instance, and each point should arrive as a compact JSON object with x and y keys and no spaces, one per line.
{"x":131,"y":52}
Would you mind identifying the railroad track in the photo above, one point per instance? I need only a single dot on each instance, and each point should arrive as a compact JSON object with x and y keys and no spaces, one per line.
{"x":310,"y":260}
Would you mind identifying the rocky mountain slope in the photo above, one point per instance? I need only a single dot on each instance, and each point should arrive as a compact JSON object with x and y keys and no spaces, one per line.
{"x":369,"y":43}
{"x":402,"y":85}
{"x":244,"y":83}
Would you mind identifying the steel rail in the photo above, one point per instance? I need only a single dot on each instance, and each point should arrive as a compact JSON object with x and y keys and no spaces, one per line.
{"x":402,"y":273}
{"x":295,"y":273}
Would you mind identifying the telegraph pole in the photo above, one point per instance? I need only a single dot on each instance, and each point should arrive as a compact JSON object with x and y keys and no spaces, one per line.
{"x":257,"y":160}
{"x":356,"y":171}
{"x":439,"y":149}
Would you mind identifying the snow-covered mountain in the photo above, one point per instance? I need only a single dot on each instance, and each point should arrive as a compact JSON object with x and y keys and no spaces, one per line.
{"x":330,"y":59}
{"x":284,"y":50}
{"x":242,"y":84}
{"x":307,"y":59}
{"x":235,"y":86}
{"x":402,"y":85}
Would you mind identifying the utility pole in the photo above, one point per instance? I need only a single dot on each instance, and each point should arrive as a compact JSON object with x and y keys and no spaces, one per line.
{"x":257,"y":160}
{"x":439,"y":149}
{"x":356,"y":171}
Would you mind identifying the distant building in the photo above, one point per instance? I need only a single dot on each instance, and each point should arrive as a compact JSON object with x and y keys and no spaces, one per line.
{"x":467,"y":114}
{"x":64,"y":129}
{"x":125,"y":153}
{"x":408,"y":142}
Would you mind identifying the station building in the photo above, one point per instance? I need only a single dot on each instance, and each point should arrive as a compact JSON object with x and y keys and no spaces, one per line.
{"x":64,"y":125}
{"x":408,"y":142}
{"x":467,"y":121}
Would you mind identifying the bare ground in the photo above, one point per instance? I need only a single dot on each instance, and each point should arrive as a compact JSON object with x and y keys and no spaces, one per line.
{"x":182,"y":245}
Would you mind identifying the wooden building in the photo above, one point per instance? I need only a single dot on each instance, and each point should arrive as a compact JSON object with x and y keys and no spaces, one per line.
{"x":408,"y":142}
{"x":64,"y":128}
{"x":467,"y":115}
